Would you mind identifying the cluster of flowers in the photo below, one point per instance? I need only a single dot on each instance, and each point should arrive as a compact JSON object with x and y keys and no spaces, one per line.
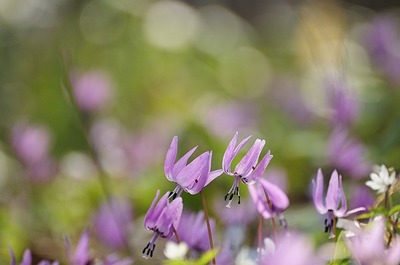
{"x":81,"y":256}
{"x":368,"y":241}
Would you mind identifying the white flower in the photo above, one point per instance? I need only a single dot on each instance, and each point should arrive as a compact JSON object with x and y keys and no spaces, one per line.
{"x":174,"y":251}
{"x":380,"y":179}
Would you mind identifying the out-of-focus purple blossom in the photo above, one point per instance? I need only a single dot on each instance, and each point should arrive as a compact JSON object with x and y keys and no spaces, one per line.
{"x":277,"y":176}
{"x":368,"y":246}
{"x":114,"y":259}
{"x":27,"y":259}
{"x":383,"y":42}
{"x":162,"y":218}
{"x":335,"y":204}
{"x":270,"y":200}
{"x":224,"y":119}
{"x":226,"y":256}
{"x":287,"y":98}
{"x":193,"y":231}
{"x":343,"y":103}
{"x":248,"y":170}
{"x":31,"y":144}
{"x":112,"y":221}
{"x":192,"y":177}
{"x":347,"y":154}
{"x":92,"y":90}
{"x":362,"y":197}
{"x":293,"y":249}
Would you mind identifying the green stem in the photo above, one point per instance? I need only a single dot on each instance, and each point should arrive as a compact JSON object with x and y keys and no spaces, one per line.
{"x":203,"y":201}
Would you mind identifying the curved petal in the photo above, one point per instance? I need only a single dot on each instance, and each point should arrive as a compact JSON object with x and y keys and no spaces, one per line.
{"x":27,"y":258}
{"x":155,"y":211}
{"x":192,"y":171}
{"x":343,"y":203}
{"x":259,"y":200}
{"x":182,"y":162}
{"x":318,"y":186}
{"x":353,"y":211}
{"x":201,"y":181}
{"x":333,"y":193}
{"x":81,"y":254}
{"x":250,"y":160}
{"x":229,"y":154}
{"x":170,"y":158}
{"x":13,"y":261}
{"x":213,"y":175}
{"x":259,"y":170}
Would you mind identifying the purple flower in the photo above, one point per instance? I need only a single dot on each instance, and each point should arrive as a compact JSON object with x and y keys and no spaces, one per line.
{"x":192,"y":177}
{"x":242,"y":214}
{"x":112,"y":221}
{"x":348,"y":154}
{"x":27,"y":259}
{"x":291,"y":250}
{"x":247,"y":169}
{"x":343,"y":103}
{"x":194,"y":224}
{"x":162,"y":218}
{"x":92,"y":90}
{"x":368,"y":246}
{"x":270,"y":200}
{"x":335,"y":205}
{"x":31,"y":144}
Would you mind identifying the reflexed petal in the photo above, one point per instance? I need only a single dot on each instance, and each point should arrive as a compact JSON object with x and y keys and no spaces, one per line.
{"x":318,"y":186}
{"x":353,"y":211}
{"x":259,"y":170}
{"x":81,"y":254}
{"x":27,"y":258}
{"x":213,"y":175}
{"x":170,"y":158}
{"x":182,"y":162}
{"x":259,"y":200}
{"x":343,"y":203}
{"x":192,"y":171}
{"x":200,"y":182}
{"x":154,"y":213}
{"x":175,"y":210}
{"x":229,"y":154}
{"x":333,"y":193}
{"x":250,"y":160}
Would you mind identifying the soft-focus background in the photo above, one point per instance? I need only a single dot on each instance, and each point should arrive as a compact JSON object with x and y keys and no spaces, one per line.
{"x":319,"y":80}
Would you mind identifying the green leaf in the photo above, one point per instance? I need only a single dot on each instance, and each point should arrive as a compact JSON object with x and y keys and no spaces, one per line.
{"x":394,"y":209}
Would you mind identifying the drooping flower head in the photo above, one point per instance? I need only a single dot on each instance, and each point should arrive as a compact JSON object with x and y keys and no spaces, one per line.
{"x":381,"y":180}
{"x":335,"y":205}
{"x":192,"y":177}
{"x":162,"y":218}
{"x":270,"y":200}
{"x":248,"y":170}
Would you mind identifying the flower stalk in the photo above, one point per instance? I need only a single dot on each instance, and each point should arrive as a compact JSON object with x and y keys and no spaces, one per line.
{"x":203,"y":201}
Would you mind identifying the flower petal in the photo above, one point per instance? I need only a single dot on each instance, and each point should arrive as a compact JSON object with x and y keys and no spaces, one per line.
{"x":259,"y":170}
{"x":170,"y":158}
{"x":182,"y":162}
{"x":250,"y":160}
{"x":333,"y":193}
{"x":318,"y":186}
{"x":278,"y":198}
{"x":192,"y":171}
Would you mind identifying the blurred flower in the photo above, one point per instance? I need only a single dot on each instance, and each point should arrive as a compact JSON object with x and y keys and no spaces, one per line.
{"x":162,"y":218}
{"x":368,"y":247}
{"x":175,"y":251}
{"x":383,"y":43}
{"x":241,"y":214}
{"x":114,"y":259}
{"x":347,"y":154}
{"x":335,"y":197}
{"x":285,"y":95}
{"x":225,"y":256}
{"x":192,"y":177}
{"x":344,"y":105}
{"x":194,"y":224}
{"x":27,"y":259}
{"x":31,"y":144}
{"x":112,"y":221}
{"x":293,"y":249}
{"x":270,"y":200}
{"x":380,"y":179}
{"x":92,"y":90}
{"x":247,"y":169}
{"x":362,"y":197}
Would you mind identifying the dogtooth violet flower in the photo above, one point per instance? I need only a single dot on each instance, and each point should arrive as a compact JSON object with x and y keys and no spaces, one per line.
{"x":381,"y":180}
{"x":162,"y":218}
{"x":247,"y":169}
{"x":192,"y":177}
{"x":335,"y":205}
{"x":270,"y":200}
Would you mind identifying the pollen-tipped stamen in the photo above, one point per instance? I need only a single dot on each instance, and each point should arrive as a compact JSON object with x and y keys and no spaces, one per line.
{"x":149,"y":249}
